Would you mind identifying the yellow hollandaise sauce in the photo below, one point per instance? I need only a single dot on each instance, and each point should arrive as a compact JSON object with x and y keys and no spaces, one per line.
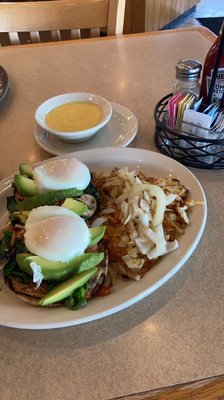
{"x":74,"y":116}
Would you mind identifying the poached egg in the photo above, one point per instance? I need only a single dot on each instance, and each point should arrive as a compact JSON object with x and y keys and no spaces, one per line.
{"x":56,"y":233}
{"x":62,"y":173}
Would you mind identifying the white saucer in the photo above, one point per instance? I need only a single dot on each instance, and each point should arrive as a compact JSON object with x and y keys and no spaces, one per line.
{"x":119,"y":132}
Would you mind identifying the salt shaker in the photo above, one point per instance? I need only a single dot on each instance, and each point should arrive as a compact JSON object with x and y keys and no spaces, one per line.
{"x":187,"y":77}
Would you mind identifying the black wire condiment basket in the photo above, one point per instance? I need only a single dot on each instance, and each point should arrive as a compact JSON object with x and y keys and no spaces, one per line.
{"x":173,"y":139}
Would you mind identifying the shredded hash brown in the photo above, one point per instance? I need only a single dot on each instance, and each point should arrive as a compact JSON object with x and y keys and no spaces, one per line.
{"x":133,"y":243}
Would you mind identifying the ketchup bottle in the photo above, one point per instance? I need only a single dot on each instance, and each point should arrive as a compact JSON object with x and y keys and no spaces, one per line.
{"x":208,"y":69}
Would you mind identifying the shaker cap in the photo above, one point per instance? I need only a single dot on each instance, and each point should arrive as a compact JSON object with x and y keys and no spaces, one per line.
{"x":188,"y":69}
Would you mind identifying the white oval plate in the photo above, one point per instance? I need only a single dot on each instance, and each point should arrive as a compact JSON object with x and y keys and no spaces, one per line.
{"x":119,"y":132}
{"x":15,"y":313}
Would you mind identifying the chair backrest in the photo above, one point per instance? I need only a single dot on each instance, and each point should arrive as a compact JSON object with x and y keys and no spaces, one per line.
{"x":38,"y":21}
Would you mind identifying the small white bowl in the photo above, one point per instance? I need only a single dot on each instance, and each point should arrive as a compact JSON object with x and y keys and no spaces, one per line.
{"x":76,"y":136}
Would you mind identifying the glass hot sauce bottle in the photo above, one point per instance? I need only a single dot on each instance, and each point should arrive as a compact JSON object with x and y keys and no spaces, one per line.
{"x":208,"y":69}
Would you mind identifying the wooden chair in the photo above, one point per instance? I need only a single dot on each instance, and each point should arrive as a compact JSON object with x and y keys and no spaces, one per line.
{"x":54,"y":20}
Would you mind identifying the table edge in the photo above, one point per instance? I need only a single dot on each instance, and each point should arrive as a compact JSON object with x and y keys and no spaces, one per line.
{"x":207,"y":388}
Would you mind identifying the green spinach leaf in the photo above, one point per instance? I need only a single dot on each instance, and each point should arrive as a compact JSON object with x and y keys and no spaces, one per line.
{"x":77,"y":299}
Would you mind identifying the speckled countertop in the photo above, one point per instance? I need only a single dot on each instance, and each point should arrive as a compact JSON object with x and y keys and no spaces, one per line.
{"x":172,"y":336}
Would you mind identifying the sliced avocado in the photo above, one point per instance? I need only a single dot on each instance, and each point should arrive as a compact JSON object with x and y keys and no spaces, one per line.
{"x":56,"y":270}
{"x":25,"y":186}
{"x":47,"y":199}
{"x":74,"y":205}
{"x":66,"y":288}
{"x":26,"y":169}
{"x":96,"y":234}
